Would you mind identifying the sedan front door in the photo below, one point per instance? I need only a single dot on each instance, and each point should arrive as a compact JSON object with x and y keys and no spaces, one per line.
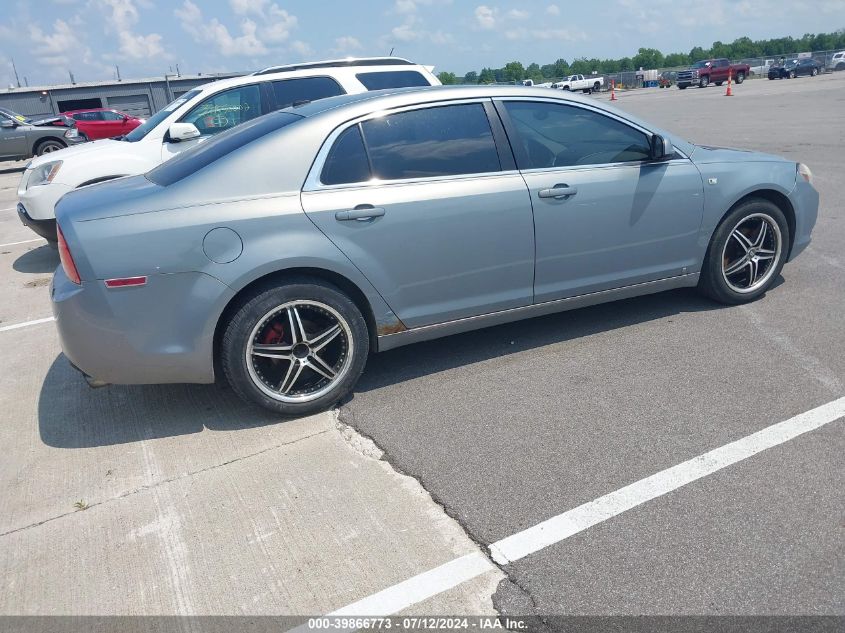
{"x":605,"y":216}
{"x":12,"y":137}
{"x":424,"y":202}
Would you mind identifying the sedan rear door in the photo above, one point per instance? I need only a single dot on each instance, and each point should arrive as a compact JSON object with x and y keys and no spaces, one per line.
{"x":430,"y":208}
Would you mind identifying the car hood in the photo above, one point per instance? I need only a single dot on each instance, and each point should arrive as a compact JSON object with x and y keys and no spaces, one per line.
{"x":103,"y":145}
{"x":708,"y":154}
{"x":110,"y":199}
{"x":64,"y":120}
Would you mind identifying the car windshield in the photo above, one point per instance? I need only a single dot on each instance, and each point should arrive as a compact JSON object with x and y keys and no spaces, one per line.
{"x":145,"y":128}
{"x":15,"y":116}
{"x":792,"y":62}
{"x":701,"y":64}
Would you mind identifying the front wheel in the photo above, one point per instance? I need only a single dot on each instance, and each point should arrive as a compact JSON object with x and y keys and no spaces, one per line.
{"x":704,"y":82}
{"x":814,"y":72}
{"x":746,"y":253}
{"x":296,"y":348}
{"x":792,"y":74}
{"x":740,"y":77}
{"x":48,"y":146}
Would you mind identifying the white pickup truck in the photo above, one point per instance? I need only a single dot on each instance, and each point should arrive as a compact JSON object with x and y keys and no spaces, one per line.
{"x":587,"y":84}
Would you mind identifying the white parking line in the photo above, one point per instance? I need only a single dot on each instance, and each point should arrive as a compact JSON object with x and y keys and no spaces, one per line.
{"x":512,"y":548}
{"x":8,"y":209}
{"x":37,"y":239}
{"x":16,"y":326}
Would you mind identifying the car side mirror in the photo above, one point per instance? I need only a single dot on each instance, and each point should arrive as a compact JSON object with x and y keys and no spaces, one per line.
{"x":125,"y":117}
{"x":661,"y":148}
{"x":6,"y":123}
{"x":182,"y":132}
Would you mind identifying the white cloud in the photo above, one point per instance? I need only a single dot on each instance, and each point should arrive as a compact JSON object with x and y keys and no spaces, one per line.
{"x":553,"y":9}
{"x":485,"y":17}
{"x":405,"y":6}
{"x":121,"y":17}
{"x":346,"y":44}
{"x":518,"y":14}
{"x":302,"y":49}
{"x":59,"y":47}
{"x":567,"y":35}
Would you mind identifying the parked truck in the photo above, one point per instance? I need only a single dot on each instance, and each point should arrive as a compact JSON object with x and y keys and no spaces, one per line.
{"x":586,"y":84}
{"x":714,"y":71}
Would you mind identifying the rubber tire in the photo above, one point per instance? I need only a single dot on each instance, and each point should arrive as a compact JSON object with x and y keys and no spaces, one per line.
{"x":718,"y":83}
{"x":239,"y":327}
{"x":566,"y":88}
{"x":840,"y":67}
{"x":704,"y":82}
{"x":792,"y":74}
{"x":814,"y":72}
{"x":39,"y":149}
{"x":711,"y":283}
{"x":740,"y":77}
{"x":682,"y":87}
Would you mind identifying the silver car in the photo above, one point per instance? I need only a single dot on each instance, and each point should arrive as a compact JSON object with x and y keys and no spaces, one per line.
{"x":283,"y":252}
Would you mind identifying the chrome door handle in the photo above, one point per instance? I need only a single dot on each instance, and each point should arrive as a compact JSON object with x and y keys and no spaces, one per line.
{"x":361,"y":212}
{"x":558,"y":192}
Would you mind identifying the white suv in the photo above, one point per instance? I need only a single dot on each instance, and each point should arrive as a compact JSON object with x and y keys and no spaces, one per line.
{"x":837,"y":62}
{"x":198,"y":114}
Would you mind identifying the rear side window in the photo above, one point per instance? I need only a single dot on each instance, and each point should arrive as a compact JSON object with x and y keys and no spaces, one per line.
{"x":87,"y":116}
{"x":347,"y":161}
{"x":290,"y":91}
{"x":554,"y":135}
{"x":441,"y":141}
{"x":392,"y":79}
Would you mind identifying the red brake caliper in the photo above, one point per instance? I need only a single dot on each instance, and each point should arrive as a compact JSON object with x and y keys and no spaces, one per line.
{"x":274,"y":334}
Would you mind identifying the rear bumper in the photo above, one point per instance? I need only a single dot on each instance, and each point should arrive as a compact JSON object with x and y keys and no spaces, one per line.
{"x":44,"y":228}
{"x":162,"y":332}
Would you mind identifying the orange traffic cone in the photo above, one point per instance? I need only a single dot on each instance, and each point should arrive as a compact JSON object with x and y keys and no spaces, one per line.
{"x":613,"y":90}
{"x":729,"y":92}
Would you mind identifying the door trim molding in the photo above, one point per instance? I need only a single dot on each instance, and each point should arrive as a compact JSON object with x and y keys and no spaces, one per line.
{"x":437,"y":330}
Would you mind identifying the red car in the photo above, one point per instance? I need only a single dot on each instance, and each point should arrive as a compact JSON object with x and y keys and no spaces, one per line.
{"x":97,"y":123}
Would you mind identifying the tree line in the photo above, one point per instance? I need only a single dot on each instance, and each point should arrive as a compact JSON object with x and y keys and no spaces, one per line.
{"x":650,"y":58}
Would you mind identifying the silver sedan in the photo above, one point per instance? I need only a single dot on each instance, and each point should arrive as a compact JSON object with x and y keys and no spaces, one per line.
{"x":283,"y":252}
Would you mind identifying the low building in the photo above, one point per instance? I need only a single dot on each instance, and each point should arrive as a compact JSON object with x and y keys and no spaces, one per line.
{"x":138,"y":97}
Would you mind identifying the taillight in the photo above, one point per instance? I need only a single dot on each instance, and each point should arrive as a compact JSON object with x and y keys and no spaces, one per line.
{"x":67,"y":259}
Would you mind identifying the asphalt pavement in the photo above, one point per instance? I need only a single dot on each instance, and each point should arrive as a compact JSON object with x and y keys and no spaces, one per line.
{"x":509,"y":426}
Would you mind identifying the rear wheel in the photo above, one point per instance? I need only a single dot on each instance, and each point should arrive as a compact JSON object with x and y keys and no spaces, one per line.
{"x":740,"y":77}
{"x":49,"y":145}
{"x":746,"y":253}
{"x":295,"y":349}
{"x":718,"y":83}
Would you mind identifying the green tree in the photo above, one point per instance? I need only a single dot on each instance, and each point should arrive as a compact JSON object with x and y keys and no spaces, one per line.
{"x":514,"y":71}
{"x":648,"y":58}
{"x":487,"y":76}
{"x":447,"y":79}
{"x":561,"y":68}
{"x":471,"y":77}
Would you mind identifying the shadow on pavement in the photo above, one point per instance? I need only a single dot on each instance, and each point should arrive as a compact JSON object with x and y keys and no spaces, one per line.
{"x":72,"y":415}
{"x":414,"y":361}
{"x":12,"y":169}
{"x":38,"y":260}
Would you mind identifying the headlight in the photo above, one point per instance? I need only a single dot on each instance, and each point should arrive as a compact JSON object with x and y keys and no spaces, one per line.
{"x":805,"y":173}
{"x":72,"y":133}
{"x":44,"y":174}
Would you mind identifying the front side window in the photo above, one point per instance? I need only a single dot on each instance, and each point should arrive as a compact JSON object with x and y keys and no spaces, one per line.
{"x":142,"y":130}
{"x":439,"y":141}
{"x":291,"y":91}
{"x":226,"y":109}
{"x":555,"y":135}
{"x":392,"y":79}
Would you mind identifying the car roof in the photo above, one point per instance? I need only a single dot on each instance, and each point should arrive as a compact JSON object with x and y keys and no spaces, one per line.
{"x":311,"y":69}
{"x":91,"y":110}
{"x":395,"y":97}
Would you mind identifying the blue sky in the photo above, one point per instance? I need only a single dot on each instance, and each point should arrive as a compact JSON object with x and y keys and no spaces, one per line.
{"x":148,"y":37}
